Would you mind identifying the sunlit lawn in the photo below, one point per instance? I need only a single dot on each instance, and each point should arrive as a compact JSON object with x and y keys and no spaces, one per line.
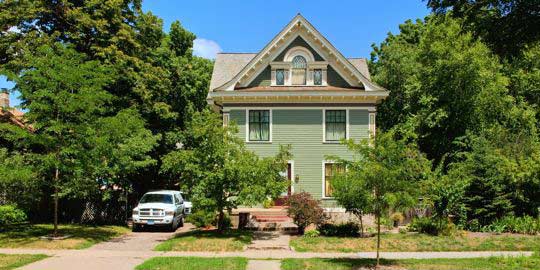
{"x":12,"y":261}
{"x":493,"y":263}
{"x":193,"y":263}
{"x":81,"y":236}
{"x":418,"y":242}
{"x":207,"y":241}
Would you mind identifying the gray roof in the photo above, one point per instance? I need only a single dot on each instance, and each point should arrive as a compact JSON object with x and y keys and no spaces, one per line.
{"x":227,"y":65}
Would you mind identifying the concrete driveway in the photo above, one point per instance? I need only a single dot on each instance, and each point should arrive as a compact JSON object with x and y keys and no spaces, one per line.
{"x":103,"y":255}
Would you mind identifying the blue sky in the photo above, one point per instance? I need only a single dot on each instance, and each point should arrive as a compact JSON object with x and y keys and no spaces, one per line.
{"x":246,"y":26}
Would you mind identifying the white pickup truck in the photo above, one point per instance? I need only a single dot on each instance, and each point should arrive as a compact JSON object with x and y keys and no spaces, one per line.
{"x":165,"y":208}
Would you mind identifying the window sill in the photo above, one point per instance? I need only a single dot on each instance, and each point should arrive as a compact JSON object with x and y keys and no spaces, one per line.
{"x":331,"y":142}
{"x":258,"y":142}
{"x":327,"y":198}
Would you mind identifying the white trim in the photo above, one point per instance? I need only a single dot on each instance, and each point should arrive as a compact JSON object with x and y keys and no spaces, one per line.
{"x":324,"y":162}
{"x":372,"y":126}
{"x":284,"y":37}
{"x":301,"y":108}
{"x":298,"y":50}
{"x":324,"y":123}
{"x":292,"y":175}
{"x":247,"y":124}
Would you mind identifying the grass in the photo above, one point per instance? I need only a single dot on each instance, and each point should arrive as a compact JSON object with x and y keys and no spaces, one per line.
{"x":12,"y":261}
{"x":194,"y":263}
{"x":418,"y":242}
{"x":492,"y":263}
{"x":232,"y":240}
{"x":81,"y":236}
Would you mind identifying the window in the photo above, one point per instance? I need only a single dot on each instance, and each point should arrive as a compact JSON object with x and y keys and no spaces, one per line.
{"x":317,"y":77}
{"x":299,"y":66}
{"x":335,"y":125}
{"x":280,"y":77}
{"x":330,"y":172}
{"x":259,"y":125}
{"x":156,"y":198}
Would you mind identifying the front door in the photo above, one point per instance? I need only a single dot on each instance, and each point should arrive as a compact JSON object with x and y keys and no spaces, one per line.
{"x":282,"y":199}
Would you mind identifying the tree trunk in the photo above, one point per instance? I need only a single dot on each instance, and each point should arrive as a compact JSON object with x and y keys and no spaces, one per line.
{"x":220,"y":224}
{"x":361,"y":225}
{"x":56,"y":176}
{"x":378,"y":239}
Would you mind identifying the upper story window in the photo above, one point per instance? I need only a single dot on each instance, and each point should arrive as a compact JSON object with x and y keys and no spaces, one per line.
{"x":335,"y":125}
{"x":259,"y":125}
{"x":317,"y":77}
{"x":299,"y":70}
{"x":280,"y":77}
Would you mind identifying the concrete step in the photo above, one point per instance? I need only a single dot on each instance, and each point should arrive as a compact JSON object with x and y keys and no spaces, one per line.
{"x":272,"y":226}
{"x":271,"y":218}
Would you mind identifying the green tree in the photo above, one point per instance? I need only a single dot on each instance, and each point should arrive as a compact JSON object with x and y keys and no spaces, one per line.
{"x":350,"y":191}
{"x":391,"y":169}
{"x":153,"y":72}
{"x":64,"y":96}
{"x":220,"y":173}
{"x":506,"y":25}
{"x":440,"y":79}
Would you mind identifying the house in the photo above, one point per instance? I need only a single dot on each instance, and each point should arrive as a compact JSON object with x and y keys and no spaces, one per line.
{"x":8,"y":114}
{"x":299,"y":90}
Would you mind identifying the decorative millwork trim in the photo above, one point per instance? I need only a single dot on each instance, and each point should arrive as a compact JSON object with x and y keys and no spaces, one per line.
{"x":299,"y":26}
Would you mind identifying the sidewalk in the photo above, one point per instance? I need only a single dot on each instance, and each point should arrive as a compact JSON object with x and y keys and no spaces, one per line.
{"x":267,"y":254}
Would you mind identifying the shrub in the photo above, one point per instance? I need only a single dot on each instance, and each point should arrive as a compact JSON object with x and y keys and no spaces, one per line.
{"x":304,"y":210}
{"x":268,"y":203}
{"x":512,"y":224}
{"x":342,"y":230}
{"x":202,"y":218}
{"x":10,"y":214}
{"x":312,"y":233}
{"x":432,"y":226}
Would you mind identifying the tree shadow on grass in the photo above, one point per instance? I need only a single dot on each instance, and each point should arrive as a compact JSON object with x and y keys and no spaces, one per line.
{"x":26,"y":234}
{"x":242,"y":236}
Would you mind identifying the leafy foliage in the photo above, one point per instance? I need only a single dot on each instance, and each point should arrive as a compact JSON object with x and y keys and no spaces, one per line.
{"x":304,"y":210}
{"x":10,"y":214}
{"x":349,"y":229}
{"x":507,"y":25}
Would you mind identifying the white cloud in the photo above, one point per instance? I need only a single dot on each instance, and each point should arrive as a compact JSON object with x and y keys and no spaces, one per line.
{"x":206,"y":48}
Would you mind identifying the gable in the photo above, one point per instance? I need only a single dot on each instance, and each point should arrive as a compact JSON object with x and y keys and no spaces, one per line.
{"x":299,"y":31}
{"x":298,"y":42}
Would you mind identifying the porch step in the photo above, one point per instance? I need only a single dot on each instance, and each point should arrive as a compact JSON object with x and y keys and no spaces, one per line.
{"x":271,"y":218}
{"x":272,"y":226}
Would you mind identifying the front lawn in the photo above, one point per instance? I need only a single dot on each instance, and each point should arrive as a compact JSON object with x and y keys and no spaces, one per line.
{"x":81,"y":236}
{"x":418,"y":242}
{"x":12,"y":261}
{"x":493,"y":263}
{"x":194,"y":263}
{"x":232,"y":240}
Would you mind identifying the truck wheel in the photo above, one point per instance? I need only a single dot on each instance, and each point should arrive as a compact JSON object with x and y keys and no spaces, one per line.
{"x":181,"y":222}
{"x":172,"y":227}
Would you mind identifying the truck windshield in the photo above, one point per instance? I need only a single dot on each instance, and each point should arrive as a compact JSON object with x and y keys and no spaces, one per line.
{"x":157,"y":198}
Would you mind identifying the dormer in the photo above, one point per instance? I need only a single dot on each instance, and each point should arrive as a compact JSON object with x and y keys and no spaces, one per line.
{"x":299,"y":68}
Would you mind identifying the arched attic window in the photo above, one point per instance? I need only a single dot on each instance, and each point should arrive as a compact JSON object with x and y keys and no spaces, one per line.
{"x":299,"y":70}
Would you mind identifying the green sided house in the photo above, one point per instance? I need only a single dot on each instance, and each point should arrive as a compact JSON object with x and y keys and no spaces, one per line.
{"x":299,"y":90}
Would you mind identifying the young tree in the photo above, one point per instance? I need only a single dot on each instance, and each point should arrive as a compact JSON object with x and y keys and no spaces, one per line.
{"x":351,"y":192}
{"x":213,"y":163}
{"x":390,"y":168}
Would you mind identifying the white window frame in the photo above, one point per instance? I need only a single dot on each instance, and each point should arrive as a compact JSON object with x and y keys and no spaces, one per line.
{"x":247,"y":124}
{"x":324,"y":162}
{"x":346,"y":123}
{"x":292,"y":175}
{"x":372,"y":126}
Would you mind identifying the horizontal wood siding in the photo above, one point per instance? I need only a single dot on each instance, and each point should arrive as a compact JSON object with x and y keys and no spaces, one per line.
{"x":303,"y":130}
